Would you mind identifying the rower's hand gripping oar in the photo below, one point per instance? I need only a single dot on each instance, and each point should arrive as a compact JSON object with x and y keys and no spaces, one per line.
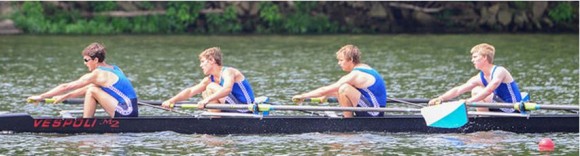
{"x":52,"y":100}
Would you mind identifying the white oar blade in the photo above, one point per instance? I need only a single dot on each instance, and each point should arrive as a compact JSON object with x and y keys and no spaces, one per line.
{"x":446,"y":115}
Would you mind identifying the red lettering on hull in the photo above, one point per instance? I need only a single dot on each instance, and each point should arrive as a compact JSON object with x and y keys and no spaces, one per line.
{"x":67,"y":123}
{"x":78,"y":123}
{"x":74,"y":123}
{"x":46,"y":123}
{"x":56,"y":123}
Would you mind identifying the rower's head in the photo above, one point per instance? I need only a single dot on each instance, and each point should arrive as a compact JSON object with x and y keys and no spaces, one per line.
{"x":348,"y":56}
{"x":209,"y":58}
{"x":94,"y":54}
{"x":482,"y":53}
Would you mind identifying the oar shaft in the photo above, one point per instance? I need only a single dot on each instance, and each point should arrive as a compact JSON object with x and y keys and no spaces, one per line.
{"x":266,"y":107}
{"x":389,"y":100}
{"x":498,"y":114}
{"x":528,"y":106}
{"x":559,"y":107}
{"x":325,"y":108}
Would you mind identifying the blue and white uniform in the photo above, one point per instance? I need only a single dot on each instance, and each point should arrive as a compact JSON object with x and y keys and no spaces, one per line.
{"x":373,"y":96}
{"x":505,"y":92}
{"x":123,"y":91}
{"x":242,"y":92}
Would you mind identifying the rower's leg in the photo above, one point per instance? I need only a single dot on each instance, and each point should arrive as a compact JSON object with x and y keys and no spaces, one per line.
{"x":489,"y":98}
{"x":211,"y":89}
{"x":96,"y":95}
{"x":348,"y":96}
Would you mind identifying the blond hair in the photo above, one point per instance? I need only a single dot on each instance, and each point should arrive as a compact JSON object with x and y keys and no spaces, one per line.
{"x":214,"y":53}
{"x":350,"y":52}
{"x":95,"y":50}
{"x":484,"y":49}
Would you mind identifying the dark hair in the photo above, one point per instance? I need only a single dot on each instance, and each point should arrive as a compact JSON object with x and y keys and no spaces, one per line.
{"x":95,"y":50}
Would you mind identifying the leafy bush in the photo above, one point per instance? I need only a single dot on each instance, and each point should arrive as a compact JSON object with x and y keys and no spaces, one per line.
{"x":562,"y":12}
{"x":181,"y":14}
{"x":224,"y":22}
{"x":271,"y":16}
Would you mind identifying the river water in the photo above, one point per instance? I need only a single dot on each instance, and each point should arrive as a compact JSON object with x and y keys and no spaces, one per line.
{"x":413,"y":66}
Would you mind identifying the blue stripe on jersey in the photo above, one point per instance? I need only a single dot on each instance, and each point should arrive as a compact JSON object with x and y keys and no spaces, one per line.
{"x":122,"y":90}
{"x":241,"y":90}
{"x":377,"y":92}
{"x":508,"y":92}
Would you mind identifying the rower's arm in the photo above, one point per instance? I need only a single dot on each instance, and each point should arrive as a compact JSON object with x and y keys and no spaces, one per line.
{"x":191,"y":91}
{"x":228,"y":77}
{"x":497,"y":79}
{"x":456,"y":91}
{"x":77,"y":92}
{"x":330,"y":89}
{"x":81,"y":82}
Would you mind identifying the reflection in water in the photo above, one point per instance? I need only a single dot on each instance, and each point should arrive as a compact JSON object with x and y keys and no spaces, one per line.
{"x":480,"y":143}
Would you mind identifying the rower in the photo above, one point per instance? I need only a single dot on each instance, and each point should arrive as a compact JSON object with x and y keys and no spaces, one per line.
{"x":105,"y":84}
{"x":363,"y":86}
{"x":492,"y":81}
{"x":220,"y":85}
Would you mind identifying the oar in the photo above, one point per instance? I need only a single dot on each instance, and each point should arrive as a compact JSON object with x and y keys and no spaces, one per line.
{"x":81,"y":100}
{"x":525,"y":106}
{"x":269,"y":107}
{"x":452,"y":114}
{"x":389,"y":100}
{"x":163,"y":108}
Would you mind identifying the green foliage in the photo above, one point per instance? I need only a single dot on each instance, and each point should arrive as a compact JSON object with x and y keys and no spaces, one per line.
{"x":303,"y":20}
{"x":303,"y":17}
{"x":102,"y":6}
{"x":146,"y":5}
{"x":224,"y":22}
{"x":31,"y":17}
{"x":562,"y":12}
{"x":270,"y":14}
{"x":182,"y":14}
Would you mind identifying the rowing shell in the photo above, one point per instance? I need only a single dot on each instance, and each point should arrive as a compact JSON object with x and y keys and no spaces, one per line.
{"x":22,"y":122}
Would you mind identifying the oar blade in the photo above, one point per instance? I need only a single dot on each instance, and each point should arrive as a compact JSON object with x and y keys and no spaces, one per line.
{"x":446,"y":115}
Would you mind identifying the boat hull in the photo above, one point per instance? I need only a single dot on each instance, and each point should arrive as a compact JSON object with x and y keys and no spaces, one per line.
{"x":21,"y":122}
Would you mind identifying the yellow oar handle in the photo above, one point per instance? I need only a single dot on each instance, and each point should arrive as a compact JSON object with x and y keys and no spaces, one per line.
{"x":318,"y":100}
{"x":261,"y":107}
{"x":47,"y":100}
{"x":187,"y":106}
{"x":296,"y":100}
{"x":527,"y":106}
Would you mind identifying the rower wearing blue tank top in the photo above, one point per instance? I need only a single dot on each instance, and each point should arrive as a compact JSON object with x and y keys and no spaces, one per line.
{"x":221,"y":84}
{"x":492,"y":84}
{"x":104,"y":85}
{"x":363,"y":86}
